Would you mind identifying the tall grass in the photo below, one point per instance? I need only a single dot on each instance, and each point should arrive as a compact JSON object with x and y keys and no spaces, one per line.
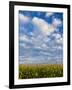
{"x":40,"y":71}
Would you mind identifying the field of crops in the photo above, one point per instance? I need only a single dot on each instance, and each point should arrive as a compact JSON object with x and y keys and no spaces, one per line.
{"x":40,"y":71}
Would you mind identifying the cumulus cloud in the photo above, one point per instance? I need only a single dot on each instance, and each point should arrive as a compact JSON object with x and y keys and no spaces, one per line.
{"x":44,"y":46}
{"x":23,"y":18}
{"x":56,"y":22}
{"x":48,"y":14}
{"x":56,"y":35}
{"x":57,"y":38}
{"x":60,"y":47}
{"x":43,"y":25}
{"x":24,"y":45}
{"x":60,"y":40}
{"x":38,"y":42}
{"x":24,"y":38}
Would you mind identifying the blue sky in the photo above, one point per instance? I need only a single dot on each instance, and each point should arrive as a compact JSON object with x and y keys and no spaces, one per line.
{"x":40,"y":37}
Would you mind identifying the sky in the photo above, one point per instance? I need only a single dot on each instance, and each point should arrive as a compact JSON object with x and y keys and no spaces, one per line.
{"x":40,"y":37}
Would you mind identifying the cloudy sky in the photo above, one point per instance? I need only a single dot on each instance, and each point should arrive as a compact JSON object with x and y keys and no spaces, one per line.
{"x":40,"y":37}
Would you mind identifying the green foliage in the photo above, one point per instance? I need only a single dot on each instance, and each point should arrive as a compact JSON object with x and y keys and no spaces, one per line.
{"x":40,"y":71}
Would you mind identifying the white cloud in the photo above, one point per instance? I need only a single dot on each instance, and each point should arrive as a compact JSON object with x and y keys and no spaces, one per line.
{"x":23,"y":18}
{"x":43,"y":25}
{"x":56,"y":22}
{"x":24,"y":45}
{"x":43,"y":53}
{"x":60,"y":40}
{"x":24,"y":38}
{"x":37,"y":42}
{"x":56,"y":35}
{"x":48,"y":14}
{"x":60,"y":47}
{"x":44,"y":45}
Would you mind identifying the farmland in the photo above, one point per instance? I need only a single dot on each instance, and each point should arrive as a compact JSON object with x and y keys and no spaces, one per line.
{"x":27,"y":71}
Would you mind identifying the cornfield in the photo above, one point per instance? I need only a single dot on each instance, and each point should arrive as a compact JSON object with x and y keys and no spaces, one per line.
{"x":40,"y":71}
